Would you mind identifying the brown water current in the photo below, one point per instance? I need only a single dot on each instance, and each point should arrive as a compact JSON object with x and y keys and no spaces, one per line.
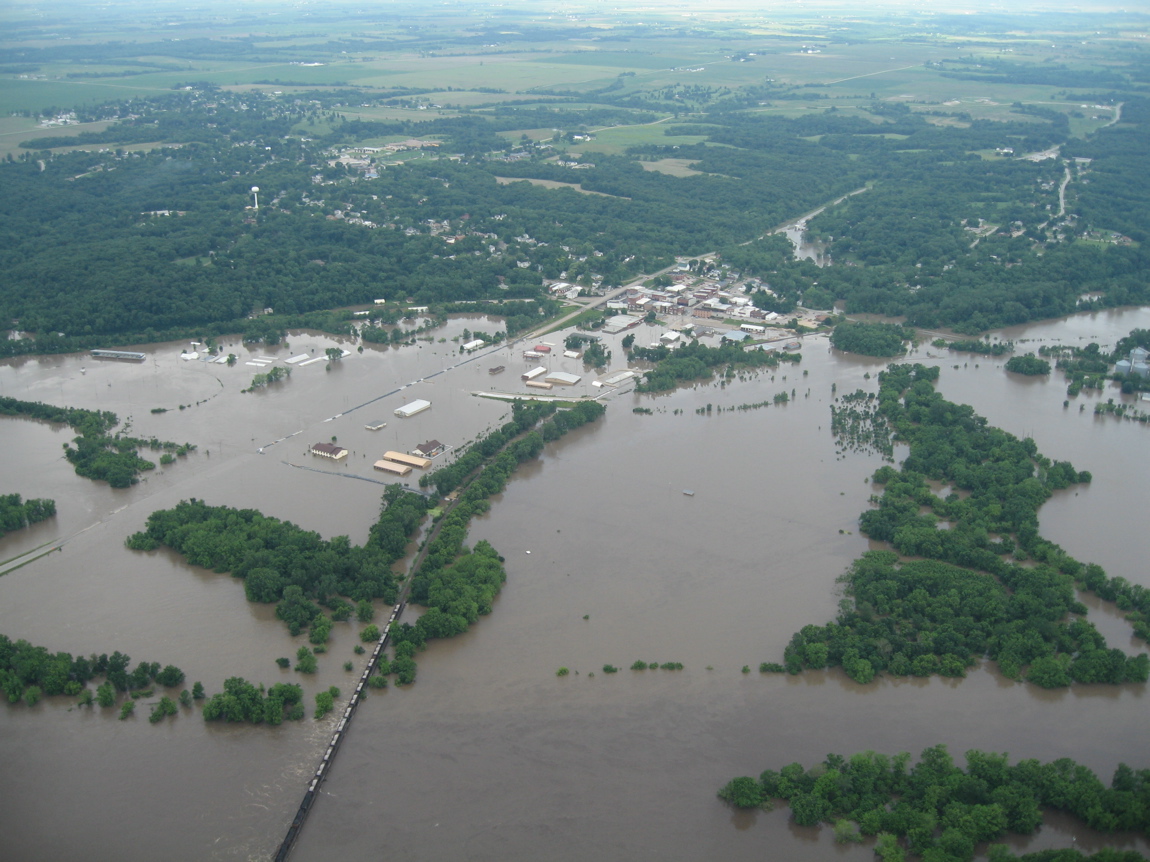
{"x":490,"y":755}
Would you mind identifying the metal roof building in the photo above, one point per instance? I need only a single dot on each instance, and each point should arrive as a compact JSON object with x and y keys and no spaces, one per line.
{"x":410,"y":409}
{"x":392,"y":467}
{"x":409,"y":460}
{"x":563,"y":378}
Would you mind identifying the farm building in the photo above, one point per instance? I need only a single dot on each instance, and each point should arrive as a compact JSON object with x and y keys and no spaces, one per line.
{"x":119,"y":354}
{"x":392,"y":467}
{"x":410,"y":409}
{"x":538,"y":371}
{"x":473,"y":345}
{"x":562,"y":378}
{"x":329,"y":450}
{"x":538,"y":384}
{"x":409,"y":460}
{"x":375,"y":425}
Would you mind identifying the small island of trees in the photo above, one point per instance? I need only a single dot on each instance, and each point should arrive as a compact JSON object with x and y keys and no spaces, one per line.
{"x":98,"y":454}
{"x":1028,"y":364}
{"x":871,"y":339}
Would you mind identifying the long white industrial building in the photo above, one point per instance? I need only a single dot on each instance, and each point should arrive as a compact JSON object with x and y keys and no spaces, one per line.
{"x":411,"y":408}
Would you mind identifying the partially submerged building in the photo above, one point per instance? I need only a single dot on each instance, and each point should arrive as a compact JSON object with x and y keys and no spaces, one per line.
{"x":429,"y":449}
{"x":410,"y":409}
{"x":393,"y":467}
{"x":408,"y":460}
{"x":329,"y":450}
{"x":1137,"y":363}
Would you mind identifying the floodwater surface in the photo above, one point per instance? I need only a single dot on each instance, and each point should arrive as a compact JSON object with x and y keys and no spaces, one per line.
{"x":490,"y":755}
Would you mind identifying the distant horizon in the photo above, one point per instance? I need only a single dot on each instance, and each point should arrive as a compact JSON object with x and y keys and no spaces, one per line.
{"x":788,"y":8}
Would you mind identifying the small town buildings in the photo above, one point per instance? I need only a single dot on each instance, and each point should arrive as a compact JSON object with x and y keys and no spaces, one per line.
{"x":562,"y":378}
{"x":410,"y":409}
{"x":375,"y":425}
{"x":542,"y":348}
{"x":538,"y":371}
{"x":329,"y":450}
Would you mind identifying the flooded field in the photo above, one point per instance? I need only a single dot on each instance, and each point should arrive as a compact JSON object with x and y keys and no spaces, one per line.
{"x":489,"y":754}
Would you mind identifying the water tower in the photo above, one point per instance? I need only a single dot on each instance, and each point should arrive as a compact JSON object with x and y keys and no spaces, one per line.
{"x":255,"y":197}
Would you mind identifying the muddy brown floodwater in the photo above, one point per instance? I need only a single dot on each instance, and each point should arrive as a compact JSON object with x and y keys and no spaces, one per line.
{"x":490,"y":755}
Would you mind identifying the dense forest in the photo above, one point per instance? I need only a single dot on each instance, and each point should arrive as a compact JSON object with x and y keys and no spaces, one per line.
{"x":972,"y":577}
{"x":144,"y":245}
{"x":941,"y":812}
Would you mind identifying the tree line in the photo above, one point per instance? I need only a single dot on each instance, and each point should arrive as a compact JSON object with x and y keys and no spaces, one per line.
{"x":29,"y":672}
{"x":17,"y":513}
{"x":458,"y":584}
{"x":940,"y":811}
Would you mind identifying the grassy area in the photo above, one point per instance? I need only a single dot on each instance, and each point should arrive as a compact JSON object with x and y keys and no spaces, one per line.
{"x":616,"y":140}
{"x":576,"y":322}
{"x":13,"y":130}
{"x":674,"y":167}
{"x":551,"y":184}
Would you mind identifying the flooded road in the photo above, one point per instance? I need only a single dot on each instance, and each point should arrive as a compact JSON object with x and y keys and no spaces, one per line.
{"x":489,"y":754}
